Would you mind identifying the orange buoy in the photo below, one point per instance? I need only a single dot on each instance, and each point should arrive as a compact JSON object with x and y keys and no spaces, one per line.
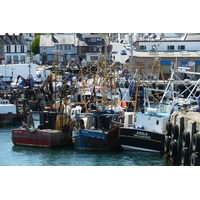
{"x":123,"y":104}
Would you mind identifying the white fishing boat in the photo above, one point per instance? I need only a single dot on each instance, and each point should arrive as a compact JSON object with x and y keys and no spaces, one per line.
{"x":146,"y":130}
{"x":9,"y":113}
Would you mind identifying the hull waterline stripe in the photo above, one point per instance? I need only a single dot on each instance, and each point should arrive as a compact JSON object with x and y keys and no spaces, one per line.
{"x":137,"y":148}
{"x":140,"y":138}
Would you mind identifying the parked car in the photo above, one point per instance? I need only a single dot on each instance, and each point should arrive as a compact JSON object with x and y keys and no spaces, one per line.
{"x":123,"y":52}
{"x":125,"y":42}
{"x":128,"y":47}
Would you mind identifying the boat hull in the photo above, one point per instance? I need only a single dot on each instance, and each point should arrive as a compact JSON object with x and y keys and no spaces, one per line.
{"x":10,"y":118}
{"x":96,"y":140}
{"x":40,"y":138}
{"x":139,"y":139}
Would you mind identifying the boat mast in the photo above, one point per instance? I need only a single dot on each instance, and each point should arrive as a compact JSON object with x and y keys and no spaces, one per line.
{"x":105,"y":78}
{"x":83,"y":89}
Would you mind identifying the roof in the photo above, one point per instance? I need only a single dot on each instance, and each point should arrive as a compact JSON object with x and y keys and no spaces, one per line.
{"x":53,"y":39}
{"x":12,"y":39}
{"x":187,"y":37}
{"x":183,"y":54}
{"x":1,"y":50}
{"x":192,"y":36}
{"x":65,"y":39}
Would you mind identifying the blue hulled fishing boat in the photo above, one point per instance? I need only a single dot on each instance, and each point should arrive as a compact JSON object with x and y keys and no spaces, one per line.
{"x":96,"y":131}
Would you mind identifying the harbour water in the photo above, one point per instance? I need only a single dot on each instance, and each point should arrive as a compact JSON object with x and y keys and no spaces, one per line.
{"x":11,"y":155}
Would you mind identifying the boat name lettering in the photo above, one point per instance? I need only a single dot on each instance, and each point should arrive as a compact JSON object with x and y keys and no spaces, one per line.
{"x":142,"y":134}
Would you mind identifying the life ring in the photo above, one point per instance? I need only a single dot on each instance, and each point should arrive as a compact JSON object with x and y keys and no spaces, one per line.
{"x":173,"y":149}
{"x":196,"y":142}
{"x":174,"y":131}
{"x":185,"y":157}
{"x":186,"y":139}
{"x":168,"y":128}
{"x":194,"y":159}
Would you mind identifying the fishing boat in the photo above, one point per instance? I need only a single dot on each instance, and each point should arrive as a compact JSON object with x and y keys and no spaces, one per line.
{"x":40,"y":138}
{"x":95,"y":128}
{"x":54,"y":129}
{"x":96,"y":131}
{"x":144,"y":129}
{"x":9,"y":113}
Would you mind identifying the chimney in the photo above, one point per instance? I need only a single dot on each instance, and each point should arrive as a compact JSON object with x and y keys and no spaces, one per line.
{"x":6,"y":36}
{"x":78,"y":35}
{"x":20,"y":36}
{"x":13,"y":37}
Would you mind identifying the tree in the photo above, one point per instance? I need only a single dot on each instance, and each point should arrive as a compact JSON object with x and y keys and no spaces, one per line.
{"x":35,"y":46}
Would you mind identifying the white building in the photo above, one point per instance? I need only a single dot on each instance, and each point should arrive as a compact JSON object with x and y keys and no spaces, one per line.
{"x":13,"y":48}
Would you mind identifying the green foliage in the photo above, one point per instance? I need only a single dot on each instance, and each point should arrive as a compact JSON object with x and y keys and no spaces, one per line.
{"x":35,"y":46}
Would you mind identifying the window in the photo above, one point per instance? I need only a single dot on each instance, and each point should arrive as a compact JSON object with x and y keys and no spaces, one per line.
{"x":44,"y":48}
{"x":68,"y":47}
{"x":93,"y":39}
{"x":181,"y":47}
{"x":142,"y":47}
{"x":171,"y":47}
{"x":22,"y":49}
{"x":85,"y":49}
{"x":15,"y":49}
{"x":15,"y":59}
{"x":8,"y":49}
{"x":95,"y":49}
{"x":8,"y":59}
{"x":88,"y":39}
{"x":22,"y":59}
{"x":93,"y":57}
{"x":99,"y":39}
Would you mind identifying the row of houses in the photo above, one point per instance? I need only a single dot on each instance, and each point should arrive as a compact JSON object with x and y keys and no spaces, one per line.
{"x":66,"y":47}
{"x":73,"y":47}
{"x":181,"y":50}
{"x":13,"y":48}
